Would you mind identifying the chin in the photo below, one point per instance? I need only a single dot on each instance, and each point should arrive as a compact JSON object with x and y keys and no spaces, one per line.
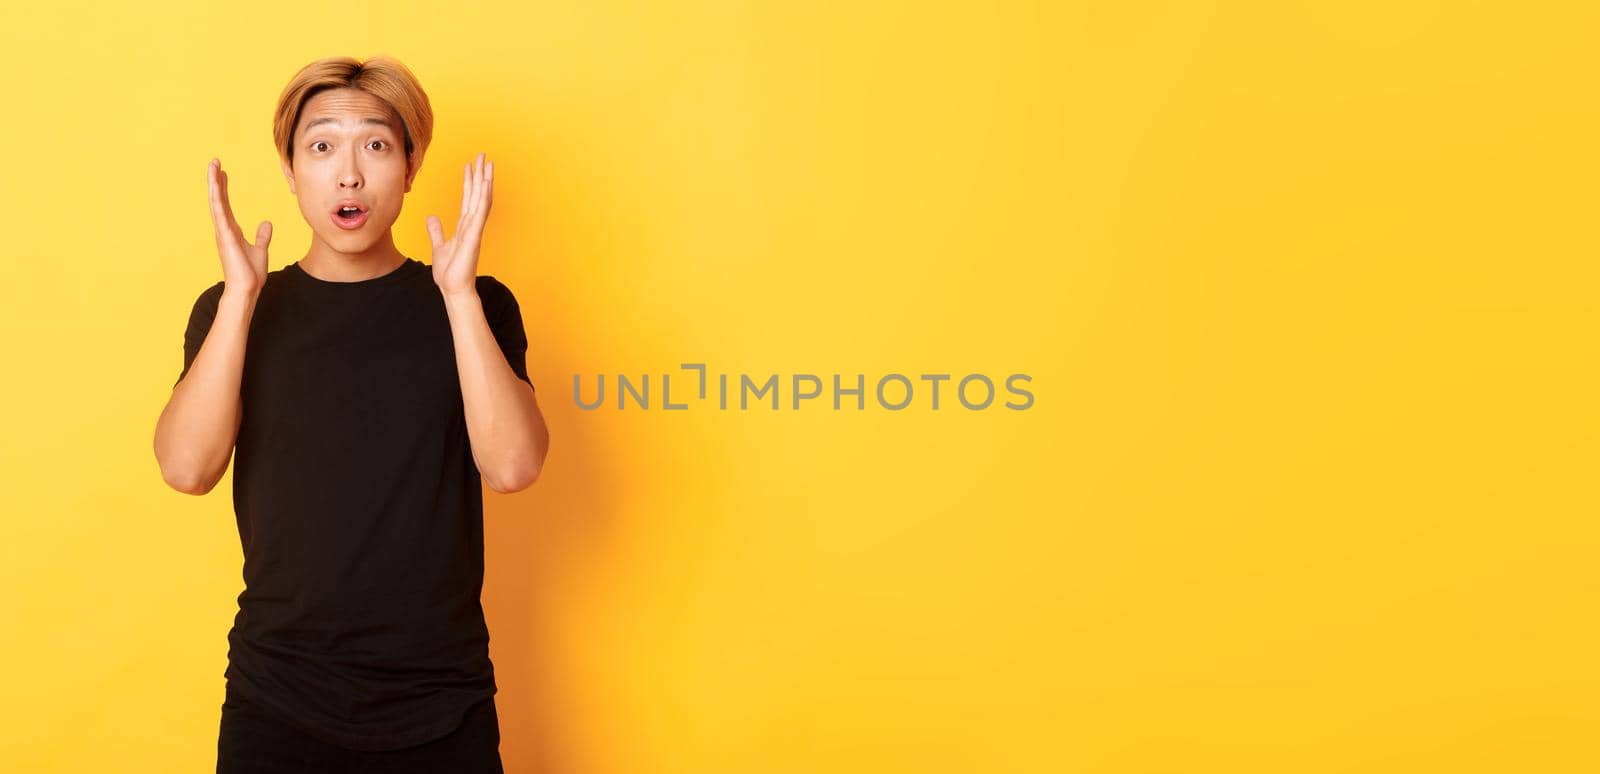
{"x":354,"y":241}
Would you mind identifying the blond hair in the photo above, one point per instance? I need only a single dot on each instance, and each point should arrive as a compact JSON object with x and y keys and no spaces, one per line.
{"x":382,"y":77}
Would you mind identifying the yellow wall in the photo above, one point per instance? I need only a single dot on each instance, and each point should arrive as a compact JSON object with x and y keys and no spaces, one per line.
{"x":1306,"y":290}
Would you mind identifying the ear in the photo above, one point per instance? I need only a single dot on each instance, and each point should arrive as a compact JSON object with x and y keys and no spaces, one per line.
{"x":413,"y":166}
{"x":288,"y":173}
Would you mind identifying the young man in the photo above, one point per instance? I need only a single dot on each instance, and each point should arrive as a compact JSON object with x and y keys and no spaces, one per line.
{"x":365,"y":397}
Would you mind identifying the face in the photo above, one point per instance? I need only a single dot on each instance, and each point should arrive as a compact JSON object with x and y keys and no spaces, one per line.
{"x":349,"y":148}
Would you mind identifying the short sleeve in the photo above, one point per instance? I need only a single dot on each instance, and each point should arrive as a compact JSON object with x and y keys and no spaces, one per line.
{"x":200,"y":318}
{"x":500,"y":308}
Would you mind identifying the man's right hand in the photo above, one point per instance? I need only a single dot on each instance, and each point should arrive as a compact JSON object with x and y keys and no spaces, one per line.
{"x":244,"y":265}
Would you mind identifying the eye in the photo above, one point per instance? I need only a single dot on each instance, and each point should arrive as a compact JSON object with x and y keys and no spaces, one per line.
{"x":380,"y":142}
{"x":315,"y":144}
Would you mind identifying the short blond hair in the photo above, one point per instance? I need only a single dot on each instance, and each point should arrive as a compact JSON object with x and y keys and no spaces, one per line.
{"x":382,"y":77}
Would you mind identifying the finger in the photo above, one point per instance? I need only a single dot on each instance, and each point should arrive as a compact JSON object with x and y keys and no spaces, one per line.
{"x":477,"y":191}
{"x":473,"y":229}
{"x":435,"y":230}
{"x":219,"y":215}
{"x":480,"y":207}
{"x":227,"y":206}
{"x":476,"y":168}
{"x":264,"y":234}
{"x":477,"y":182}
{"x":466,"y":190}
{"x":479,"y":187}
{"x":488,"y":187}
{"x":212,"y":201}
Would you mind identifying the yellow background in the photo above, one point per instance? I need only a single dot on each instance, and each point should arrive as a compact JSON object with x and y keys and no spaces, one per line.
{"x":1307,"y":292}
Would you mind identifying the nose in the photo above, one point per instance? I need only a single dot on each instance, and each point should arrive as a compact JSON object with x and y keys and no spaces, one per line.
{"x":350,"y":175}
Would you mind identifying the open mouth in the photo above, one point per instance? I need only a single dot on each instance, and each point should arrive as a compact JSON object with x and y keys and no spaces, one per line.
{"x":349,"y":216}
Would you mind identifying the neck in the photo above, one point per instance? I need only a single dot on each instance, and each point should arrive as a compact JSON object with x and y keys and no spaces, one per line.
{"x":326,"y":262}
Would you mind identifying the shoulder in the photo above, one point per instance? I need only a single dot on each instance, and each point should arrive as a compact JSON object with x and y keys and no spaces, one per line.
{"x":213,"y":294}
{"x":281,"y":273}
{"x":210,"y":297}
{"x":494,"y":293}
{"x":488,"y":284}
{"x":276,"y":279}
{"x":204,"y":311}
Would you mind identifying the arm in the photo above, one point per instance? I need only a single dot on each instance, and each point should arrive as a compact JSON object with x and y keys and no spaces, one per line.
{"x":200,"y":423}
{"x":507,"y":431}
{"x":197,"y":429}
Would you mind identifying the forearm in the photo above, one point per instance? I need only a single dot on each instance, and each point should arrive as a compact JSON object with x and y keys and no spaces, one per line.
{"x":507,"y":431}
{"x":196,"y":432}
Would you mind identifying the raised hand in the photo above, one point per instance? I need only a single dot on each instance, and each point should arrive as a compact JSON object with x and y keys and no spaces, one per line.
{"x":455,"y":261}
{"x":244,"y":265}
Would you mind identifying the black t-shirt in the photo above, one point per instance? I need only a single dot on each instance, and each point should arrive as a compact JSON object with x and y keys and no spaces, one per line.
{"x":360,"y":508}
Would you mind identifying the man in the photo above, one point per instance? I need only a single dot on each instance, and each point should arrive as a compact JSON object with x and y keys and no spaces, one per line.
{"x":365,"y":397}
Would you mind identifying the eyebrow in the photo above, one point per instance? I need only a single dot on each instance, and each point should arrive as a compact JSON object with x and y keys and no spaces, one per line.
{"x":331,"y":120}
